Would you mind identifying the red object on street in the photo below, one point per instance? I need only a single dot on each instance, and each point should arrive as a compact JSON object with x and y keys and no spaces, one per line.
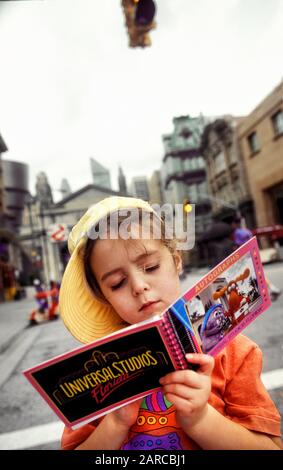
{"x":54,"y":294}
{"x":274,"y":232}
{"x":50,"y":312}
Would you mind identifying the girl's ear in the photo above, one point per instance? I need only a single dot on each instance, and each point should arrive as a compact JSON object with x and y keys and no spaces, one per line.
{"x":178,"y":261}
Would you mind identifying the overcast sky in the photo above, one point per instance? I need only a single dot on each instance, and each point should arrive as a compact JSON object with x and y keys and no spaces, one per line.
{"x":71,"y":88}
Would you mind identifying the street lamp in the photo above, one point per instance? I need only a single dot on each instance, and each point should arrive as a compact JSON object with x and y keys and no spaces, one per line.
{"x":45,"y":248}
{"x":187,"y":207}
{"x":29,"y":200}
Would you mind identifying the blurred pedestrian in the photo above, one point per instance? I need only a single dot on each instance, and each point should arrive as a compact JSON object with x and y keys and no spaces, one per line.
{"x":9,"y":281}
{"x":54,"y":297}
{"x":217,"y":242}
{"x":39,"y":314}
{"x":240,"y":236}
{"x":274,"y":291}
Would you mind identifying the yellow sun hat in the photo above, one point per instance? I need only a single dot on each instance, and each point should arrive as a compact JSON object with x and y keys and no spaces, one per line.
{"x":85,"y":316}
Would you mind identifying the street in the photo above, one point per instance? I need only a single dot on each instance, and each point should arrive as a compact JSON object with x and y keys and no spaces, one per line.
{"x":26,"y":420}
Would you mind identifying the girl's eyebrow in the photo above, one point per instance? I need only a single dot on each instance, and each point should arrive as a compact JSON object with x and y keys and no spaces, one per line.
{"x":139,"y":258}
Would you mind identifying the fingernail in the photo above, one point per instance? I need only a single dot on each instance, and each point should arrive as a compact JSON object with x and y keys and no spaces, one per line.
{"x":161,"y":380}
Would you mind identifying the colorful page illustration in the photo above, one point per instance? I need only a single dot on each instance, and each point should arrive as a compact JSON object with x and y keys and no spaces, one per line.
{"x":228,"y":298}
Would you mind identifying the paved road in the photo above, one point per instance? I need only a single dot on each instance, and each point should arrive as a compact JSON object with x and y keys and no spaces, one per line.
{"x":27,"y":422}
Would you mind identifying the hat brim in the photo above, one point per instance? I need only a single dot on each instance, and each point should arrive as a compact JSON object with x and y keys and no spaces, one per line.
{"x":85,"y":316}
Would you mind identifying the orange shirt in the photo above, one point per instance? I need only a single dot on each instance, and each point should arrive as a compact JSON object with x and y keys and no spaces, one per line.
{"x":237,"y":393}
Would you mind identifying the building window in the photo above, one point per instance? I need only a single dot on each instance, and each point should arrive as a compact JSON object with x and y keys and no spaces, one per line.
{"x":232,"y":154}
{"x":187,"y":164}
{"x":193,"y":193}
{"x":173,"y":165}
{"x":201,"y":162}
{"x":253,"y":142}
{"x":277,"y":121}
{"x":220,"y":164}
{"x":202,"y":188}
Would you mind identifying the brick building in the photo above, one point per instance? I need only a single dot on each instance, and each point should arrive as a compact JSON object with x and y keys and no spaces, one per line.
{"x":261,"y":142}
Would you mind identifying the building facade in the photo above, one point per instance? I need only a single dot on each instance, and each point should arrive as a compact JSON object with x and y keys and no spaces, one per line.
{"x":3,"y":148}
{"x":65,"y":188}
{"x":13,"y":191}
{"x":183,"y":171}
{"x":261,"y":143}
{"x":139,"y":187}
{"x":154,"y":188}
{"x":122,"y":183}
{"x":183,"y":176}
{"x":100,"y":174}
{"x":226,"y":172}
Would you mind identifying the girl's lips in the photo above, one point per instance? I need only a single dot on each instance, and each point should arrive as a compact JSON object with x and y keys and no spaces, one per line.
{"x":149,"y":307}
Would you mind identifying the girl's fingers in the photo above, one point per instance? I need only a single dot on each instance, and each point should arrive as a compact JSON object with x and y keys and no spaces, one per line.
{"x":180,"y":390}
{"x":205,"y":362}
{"x":180,"y":403}
{"x":187,"y":377}
{"x":190,"y":377}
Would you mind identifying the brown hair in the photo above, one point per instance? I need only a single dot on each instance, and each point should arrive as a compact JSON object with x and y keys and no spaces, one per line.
{"x":169,"y":242}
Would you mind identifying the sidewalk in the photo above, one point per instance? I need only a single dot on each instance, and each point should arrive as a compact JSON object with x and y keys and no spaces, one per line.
{"x":13,"y":320}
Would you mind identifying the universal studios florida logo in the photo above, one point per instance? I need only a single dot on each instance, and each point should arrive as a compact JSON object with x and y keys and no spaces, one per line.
{"x":104,"y":373}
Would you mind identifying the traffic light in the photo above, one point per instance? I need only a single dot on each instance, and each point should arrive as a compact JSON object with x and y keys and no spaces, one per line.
{"x":187,"y":207}
{"x":145,"y":12}
{"x":139,"y":20}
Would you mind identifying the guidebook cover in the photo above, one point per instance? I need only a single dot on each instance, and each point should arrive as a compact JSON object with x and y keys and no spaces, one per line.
{"x":92,"y":380}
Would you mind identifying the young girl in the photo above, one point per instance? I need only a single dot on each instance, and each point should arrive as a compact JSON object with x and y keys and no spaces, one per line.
{"x":112,"y":281}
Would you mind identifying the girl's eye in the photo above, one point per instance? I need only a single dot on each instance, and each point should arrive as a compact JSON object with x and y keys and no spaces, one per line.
{"x":151,"y":268}
{"x":117,"y":286}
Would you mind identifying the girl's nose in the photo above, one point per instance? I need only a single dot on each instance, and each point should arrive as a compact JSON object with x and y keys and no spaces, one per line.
{"x":139,"y":284}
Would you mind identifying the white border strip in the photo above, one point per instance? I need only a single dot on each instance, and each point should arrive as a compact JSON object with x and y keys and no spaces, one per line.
{"x":273,"y":379}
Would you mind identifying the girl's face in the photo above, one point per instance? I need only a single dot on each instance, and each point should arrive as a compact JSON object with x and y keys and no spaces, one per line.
{"x":138,"y":278}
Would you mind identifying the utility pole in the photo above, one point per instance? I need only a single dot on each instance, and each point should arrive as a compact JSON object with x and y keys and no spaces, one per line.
{"x":29,"y":203}
{"x":45,"y":248}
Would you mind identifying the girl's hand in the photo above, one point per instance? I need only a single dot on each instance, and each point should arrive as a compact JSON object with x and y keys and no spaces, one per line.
{"x":127,"y":415}
{"x":188,"y":390}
